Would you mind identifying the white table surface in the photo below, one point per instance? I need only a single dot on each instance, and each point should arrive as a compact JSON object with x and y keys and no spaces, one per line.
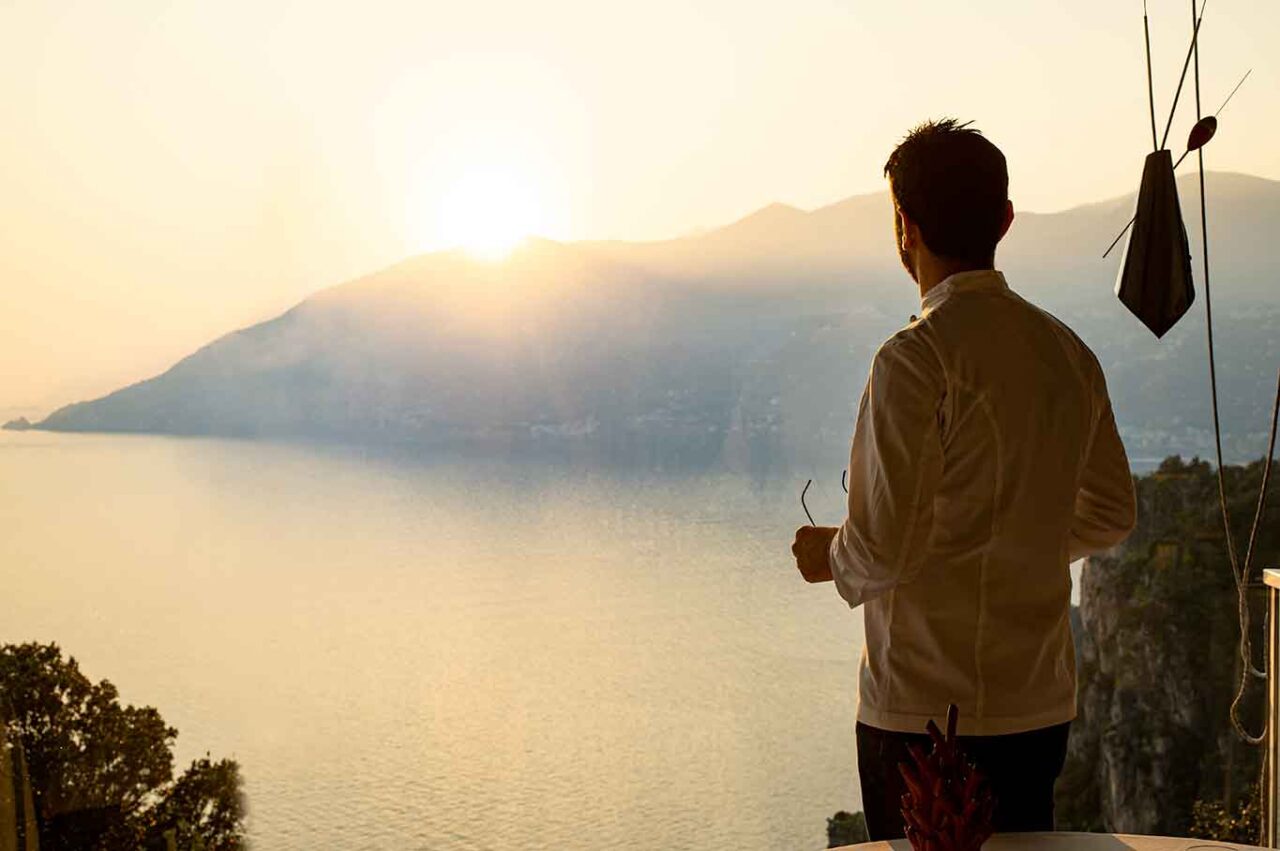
{"x":1064,"y":841}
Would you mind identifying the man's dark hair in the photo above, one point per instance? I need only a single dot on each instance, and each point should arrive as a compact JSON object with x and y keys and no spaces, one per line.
{"x":954,"y":184}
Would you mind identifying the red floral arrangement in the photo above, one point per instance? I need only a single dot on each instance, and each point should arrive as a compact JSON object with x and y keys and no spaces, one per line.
{"x":948,"y":805}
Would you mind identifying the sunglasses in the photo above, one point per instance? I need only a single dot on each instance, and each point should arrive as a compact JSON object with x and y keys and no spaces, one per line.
{"x":844,"y":479}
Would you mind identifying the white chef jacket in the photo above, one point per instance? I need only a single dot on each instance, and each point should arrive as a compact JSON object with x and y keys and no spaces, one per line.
{"x":985,"y":459}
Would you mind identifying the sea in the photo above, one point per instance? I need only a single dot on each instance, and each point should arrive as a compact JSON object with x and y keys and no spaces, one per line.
{"x":405,"y":650}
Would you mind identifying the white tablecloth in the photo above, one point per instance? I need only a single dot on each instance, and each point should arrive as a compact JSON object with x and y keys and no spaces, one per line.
{"x":1076,"y":842}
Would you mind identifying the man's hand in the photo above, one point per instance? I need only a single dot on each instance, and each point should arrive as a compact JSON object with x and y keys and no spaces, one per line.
{"x":811,"y":548}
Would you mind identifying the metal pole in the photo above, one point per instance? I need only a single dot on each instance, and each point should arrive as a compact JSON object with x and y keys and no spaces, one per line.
{"x":1272,"y":579}
{"x":1151,"y":91}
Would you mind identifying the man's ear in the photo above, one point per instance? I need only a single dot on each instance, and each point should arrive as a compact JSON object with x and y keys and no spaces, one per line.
{"x":909,"y":231}
{"x":1008,"y":218}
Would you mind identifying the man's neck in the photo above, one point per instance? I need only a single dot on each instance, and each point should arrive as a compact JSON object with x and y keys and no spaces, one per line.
{"x":933,"y":272}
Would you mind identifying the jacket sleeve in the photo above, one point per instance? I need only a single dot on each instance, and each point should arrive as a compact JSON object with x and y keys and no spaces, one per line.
{"x":1105,"y":507}
{"x":894,"y":467}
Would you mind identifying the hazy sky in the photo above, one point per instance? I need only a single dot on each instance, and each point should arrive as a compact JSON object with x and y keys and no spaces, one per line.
{"x":171,"y":171}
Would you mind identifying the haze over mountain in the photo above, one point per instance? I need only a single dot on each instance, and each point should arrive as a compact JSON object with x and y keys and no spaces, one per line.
{"x":745,"y":345}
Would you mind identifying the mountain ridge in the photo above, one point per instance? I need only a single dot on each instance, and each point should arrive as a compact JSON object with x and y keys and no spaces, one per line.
{"x":744,"y":345}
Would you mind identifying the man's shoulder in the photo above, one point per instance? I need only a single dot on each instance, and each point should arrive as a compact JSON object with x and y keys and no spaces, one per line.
{"x":1045,"y":315}
{"x":1073,"y":340}
{"x":946,"y":334}
{"x":913,"y":347}
{"x":1029,"y":312}
{"x":905,"y":339}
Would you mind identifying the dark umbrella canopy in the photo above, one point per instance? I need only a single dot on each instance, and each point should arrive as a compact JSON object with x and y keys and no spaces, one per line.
{"x":1155,"y":272}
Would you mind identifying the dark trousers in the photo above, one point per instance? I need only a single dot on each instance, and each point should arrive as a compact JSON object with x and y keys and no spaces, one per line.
{"x":1021,"y":769}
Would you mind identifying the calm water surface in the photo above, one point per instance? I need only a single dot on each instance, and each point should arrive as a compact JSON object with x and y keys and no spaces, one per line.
{"x":411,"y":653}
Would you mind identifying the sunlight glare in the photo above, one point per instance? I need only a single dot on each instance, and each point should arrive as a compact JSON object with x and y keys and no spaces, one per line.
{"x":489,"y":211}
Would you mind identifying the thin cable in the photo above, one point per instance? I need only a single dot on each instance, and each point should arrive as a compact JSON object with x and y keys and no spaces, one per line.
{"x":1182,"y":78}
{"x":1119,"y":236}
{"x":1233,"y":93}
{"x":1266,"y":478}
{"x":1245,"y":649}
{"x":1217,"y":427}
{"x":1246,"y":654}
{"x":1151,"y":89}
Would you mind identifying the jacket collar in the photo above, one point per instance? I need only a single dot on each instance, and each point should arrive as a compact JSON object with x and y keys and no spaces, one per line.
{"x":982,"y":280}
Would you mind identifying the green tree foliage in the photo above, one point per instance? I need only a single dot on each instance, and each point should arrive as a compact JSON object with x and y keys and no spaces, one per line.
{"x":102,"y":773}
{"x":1212,"y":820}
{"x":845,"y":828}
{"x":202,"y":809}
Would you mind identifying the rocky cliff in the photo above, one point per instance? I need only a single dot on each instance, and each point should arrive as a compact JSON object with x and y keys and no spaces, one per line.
{"x":1157,"y":643}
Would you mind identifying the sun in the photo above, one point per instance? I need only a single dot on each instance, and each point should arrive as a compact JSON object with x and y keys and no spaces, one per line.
{"x":488,"y":211}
